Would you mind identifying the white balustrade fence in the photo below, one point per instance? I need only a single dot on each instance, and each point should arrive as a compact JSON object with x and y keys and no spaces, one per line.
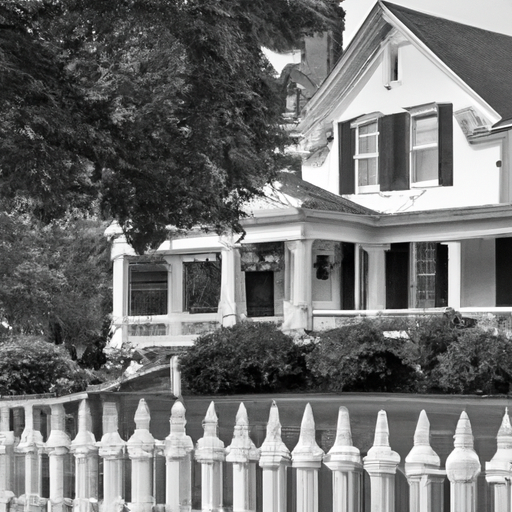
{"x":260,"y":476}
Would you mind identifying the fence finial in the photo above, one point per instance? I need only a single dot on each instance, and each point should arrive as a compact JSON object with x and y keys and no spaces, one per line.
{"x":142,"y":416}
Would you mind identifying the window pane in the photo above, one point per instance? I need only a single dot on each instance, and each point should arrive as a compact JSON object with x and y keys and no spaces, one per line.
{"x":367,"y":171}
{"x":148,"y":290}
{"x":425,"y":164}
{"x":368,"y":144}
{"x":201,"y":284}
{"x":425,"y":130}
{"x":368,"y":128}
{"x":425,"y":274}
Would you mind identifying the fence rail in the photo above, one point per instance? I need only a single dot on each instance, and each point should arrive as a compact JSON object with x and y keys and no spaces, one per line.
{"x":37,"y":475}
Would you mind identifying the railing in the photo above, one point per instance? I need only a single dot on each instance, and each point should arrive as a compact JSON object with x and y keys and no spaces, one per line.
{"x":259,"y":477}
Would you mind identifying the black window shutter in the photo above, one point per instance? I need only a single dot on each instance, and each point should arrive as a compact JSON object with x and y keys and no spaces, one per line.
{"x":347,"y":148}
{"x":445,"y":118}
{"x":394,"y":151}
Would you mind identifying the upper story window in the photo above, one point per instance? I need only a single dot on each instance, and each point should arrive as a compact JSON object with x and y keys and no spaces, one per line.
{"x":148,"y":289}
{"x":366,"y":153}
{"x":398,"y":151}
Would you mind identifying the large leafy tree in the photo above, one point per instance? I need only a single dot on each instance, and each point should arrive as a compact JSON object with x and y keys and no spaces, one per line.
{"x":158,"y":112}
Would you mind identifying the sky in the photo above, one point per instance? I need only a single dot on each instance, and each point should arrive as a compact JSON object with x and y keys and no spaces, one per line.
{"x":495,"y":15}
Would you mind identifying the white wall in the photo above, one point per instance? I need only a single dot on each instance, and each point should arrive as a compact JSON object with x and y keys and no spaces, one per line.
{"x":476,"y":177}
{"x":478,"y":273}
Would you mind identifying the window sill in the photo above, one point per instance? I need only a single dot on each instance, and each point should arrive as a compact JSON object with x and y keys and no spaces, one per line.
{"x":368,"y":189}
{"x":425,"y":184}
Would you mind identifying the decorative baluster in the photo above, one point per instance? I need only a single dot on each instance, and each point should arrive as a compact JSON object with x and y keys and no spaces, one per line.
{"x":85,"y":451}
{"x":274,"y":461}
{"x":111,"y":450}
{"x":178,"y":450}
{"x":244,"y":455}
{"x":141,"y":447}
{"x":463,"y":468}
{"x":381,"y":463}
{"x":6,"y":460}
{"x":30,"y":445}
{"x":498,"y":471}
{"x":307,"y":459}
{"x":344,"y":460}
{"x":57,"y":447}
{"x":422,"y":467}
{"x":210,"y":454}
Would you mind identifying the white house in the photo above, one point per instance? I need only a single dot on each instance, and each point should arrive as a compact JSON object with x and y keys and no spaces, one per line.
{"x":403,"y":206}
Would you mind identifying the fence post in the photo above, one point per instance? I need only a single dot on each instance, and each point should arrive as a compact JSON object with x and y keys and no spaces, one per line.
{"x":6,"y":460}
{"x":344,"y":460}
{"x":210,"y":454}
{"x":498,"y":470}
{"x":244,"y":455}
{"x":178,"y":450}
{"x":84,"y":448}
{"x":111,"y":450}
{"x":57,"y":447}
{"x":307,"y":459}
{"x":381,"y":463}
{"x":463,"y":468}
{"x":141,"y":448}
{"x":30,"y":444}
{"x":422,"y":468}
{"x":274,"y":461}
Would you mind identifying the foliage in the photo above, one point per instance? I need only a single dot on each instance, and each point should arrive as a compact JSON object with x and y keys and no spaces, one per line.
{"x":246,"y":358}
{"x":477,"y":361}
{"x":359,"y":358}
{"x":56,"y":281}
{"x":162,"y":112}
{"x":30,"y":365}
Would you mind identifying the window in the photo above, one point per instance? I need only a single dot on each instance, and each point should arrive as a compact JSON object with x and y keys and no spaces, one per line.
{"x":397,"y":151}
{"x":201,"y":286}
{"x":366,"y":155}
{"x":148,"y":289}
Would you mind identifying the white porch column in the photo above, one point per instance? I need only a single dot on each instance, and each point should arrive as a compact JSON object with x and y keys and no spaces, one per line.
{"x":178,"y":452}
{"x":274,"y":461}
{"x":119,"y":291}
{"x":85,"y":451}
{"x":57,"y":447}
{"x":422,"y":467}
{"x":6,"y":459}
{"x":243,"y":454}
{"x":31,"y":444}
{"x":210,"y":454}
{"x":111,"y":451}
{"x":141,"y":447}
{"x":344,"y":460}
{"x":376,"y":275}
{"x":297,"y":311}
{"x":307,"y":459}
{"x":454,"y":274}
{"x":227,"y":305}
{"x":381,"y":463}
{"x":463,"y":468}
{"x":498,"y":471}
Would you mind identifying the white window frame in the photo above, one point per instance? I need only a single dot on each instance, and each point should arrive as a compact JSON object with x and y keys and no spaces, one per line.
{"x":357,"y":124}
{"x":422,"y":111}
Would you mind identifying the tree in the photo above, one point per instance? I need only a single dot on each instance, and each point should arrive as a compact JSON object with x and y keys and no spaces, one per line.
{"x":165,"y":111}
{"x":56,"y":281}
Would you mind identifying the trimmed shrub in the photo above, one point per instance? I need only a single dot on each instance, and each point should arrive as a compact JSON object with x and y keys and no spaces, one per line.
{"x":477,"y":361}
{"x":250,"y":357}
{"x":359,"y":358}
{"x":30,"y":365}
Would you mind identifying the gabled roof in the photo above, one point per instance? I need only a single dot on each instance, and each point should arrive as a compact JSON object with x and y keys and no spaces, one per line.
{"x":481,"y":58}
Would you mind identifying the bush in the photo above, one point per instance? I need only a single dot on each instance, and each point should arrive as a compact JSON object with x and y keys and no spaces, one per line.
{"x":249,"y":357}
{"x":30,"y":365}
{"x":359,"y":358}
{"x":477,"y":361}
